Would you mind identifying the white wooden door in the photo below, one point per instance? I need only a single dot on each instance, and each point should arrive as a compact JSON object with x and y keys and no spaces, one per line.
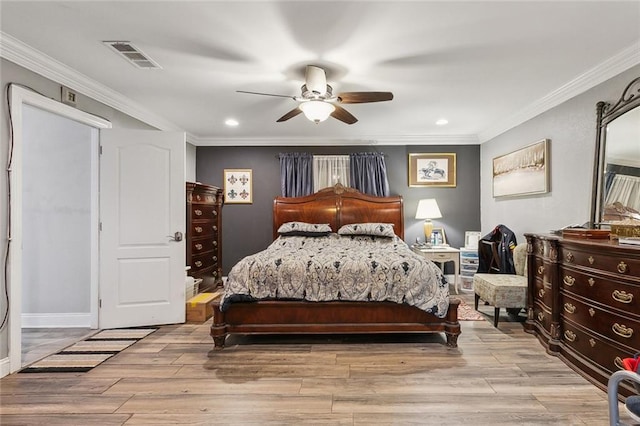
{"x":142,"y":207}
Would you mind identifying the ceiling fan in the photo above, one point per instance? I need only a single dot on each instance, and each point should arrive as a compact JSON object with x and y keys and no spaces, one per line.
{"x":318,"y":102}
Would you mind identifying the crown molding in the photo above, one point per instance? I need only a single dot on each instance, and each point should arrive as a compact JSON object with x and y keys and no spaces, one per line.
{"x":27,"y":57}
{"x":362,"y":140}
{"x":622,"y":61}
{"x":24,"y":55}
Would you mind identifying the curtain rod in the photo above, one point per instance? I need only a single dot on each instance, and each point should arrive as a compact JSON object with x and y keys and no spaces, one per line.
{"x":385,"y":155}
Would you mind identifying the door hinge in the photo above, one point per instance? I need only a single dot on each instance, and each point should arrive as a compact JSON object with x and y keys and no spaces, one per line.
{"x":100,"y":150}
{"x":99,"y":226}
{"x":99,"y":303}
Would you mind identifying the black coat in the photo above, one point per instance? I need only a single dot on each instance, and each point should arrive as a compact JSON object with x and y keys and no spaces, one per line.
{"x":506,"y":242}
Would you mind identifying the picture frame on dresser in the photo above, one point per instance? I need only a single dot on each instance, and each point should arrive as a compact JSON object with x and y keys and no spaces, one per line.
{"x":524,"y":171}
{"x":238,"y":186}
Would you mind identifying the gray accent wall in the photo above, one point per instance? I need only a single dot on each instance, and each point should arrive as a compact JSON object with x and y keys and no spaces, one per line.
{"x":571,"y":129}
{"x":247,"y":228}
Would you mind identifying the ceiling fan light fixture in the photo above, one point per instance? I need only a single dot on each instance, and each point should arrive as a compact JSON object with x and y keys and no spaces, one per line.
{"x":317,"y":111}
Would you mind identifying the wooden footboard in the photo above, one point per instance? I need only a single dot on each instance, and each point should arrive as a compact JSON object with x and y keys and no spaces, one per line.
{"x":300,"y":317}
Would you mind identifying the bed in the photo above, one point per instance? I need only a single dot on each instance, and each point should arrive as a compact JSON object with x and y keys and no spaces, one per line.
{"x":336,"y":206}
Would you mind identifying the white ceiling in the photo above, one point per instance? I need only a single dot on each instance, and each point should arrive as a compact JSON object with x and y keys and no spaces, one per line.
{"x":484,"y":66}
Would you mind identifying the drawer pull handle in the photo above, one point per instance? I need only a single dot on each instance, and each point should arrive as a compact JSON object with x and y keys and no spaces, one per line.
{"x":198,"y":197}
{"x":540,"y":270}
{"x":618,"y":363}
{"x":541,"y":292}
{"x":198,"y":212}
{"x":592,"y":312}
{"x":198,"y":263}
{"x":591,"y":260}
{"x":214,"y":273}
{"x":214,"y":227}
{"x":214,"y":258}
{"x":622,"y":330}
{"x":215,"y":243}
{"x":569,"y":280}
{"x":591,"y":282}
{"x":198,"y":229}
{"x":214,"y":212}
{"x":198,"y":246}
{"x":569,"y":257}
{"x":540,"y":316}
{"x":622,"y":268}
{"x":622,"y":296}
{"x":569,"y":308}
{"x":592,"y":342}
{"x":570,"y":335}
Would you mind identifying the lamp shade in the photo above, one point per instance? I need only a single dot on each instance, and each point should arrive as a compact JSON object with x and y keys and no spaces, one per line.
{"x":428,"y":209}
{"x":317,"y":111}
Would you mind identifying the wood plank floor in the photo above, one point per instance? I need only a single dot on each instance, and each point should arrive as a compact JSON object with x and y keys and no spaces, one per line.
{"x":495,"y":377}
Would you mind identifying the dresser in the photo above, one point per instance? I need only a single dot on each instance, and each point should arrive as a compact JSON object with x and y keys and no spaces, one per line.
{"x":204,"y":234}
{"x":583,"y":303}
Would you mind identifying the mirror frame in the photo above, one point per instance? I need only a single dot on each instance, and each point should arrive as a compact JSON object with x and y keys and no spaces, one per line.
{"x":606,"y":113}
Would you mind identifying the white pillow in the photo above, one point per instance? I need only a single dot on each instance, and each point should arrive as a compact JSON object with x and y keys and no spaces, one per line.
{"x":375,"y":229}
{"x":304,"y":229}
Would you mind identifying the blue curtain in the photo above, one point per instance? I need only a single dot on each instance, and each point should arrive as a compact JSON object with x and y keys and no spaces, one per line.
{"x":296,"y":174}
{"x":369,"y":173}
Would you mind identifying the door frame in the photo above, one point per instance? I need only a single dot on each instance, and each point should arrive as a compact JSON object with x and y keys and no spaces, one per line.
{"x":20,"y":96}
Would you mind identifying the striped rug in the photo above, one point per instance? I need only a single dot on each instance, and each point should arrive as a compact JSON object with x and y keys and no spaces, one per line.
{"x":89,"y":353}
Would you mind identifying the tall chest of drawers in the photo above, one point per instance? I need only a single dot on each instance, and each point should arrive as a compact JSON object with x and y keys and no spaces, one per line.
{"x":584,"y":303}
{"x":204,"y":234}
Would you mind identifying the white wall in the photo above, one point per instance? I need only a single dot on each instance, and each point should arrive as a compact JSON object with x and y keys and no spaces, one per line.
{"x":56,"y":202}
{"x":571,"y":128}
{"x":190,"y":169}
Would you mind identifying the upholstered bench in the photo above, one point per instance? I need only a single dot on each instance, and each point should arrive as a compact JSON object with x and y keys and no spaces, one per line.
{"x":504,"y":290}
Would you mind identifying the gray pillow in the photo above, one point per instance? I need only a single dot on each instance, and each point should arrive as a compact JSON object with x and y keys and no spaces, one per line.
{"x":304,"y":229}
{"x":374,"y":229}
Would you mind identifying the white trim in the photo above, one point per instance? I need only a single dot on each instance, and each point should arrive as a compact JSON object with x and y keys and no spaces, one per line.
{"x":4,"y":367}
{"x":26,"y":56}
{"x":602,"y":72}
{"x":20,"y":96}
{"x":362,"y":140}
{"x":56,"y":320}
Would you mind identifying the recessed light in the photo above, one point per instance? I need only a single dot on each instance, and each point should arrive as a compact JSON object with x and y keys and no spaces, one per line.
{"x":231,"y":122}
{"x":442,"y":122}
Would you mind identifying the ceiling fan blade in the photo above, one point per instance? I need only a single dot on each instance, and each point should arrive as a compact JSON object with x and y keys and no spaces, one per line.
{"x":289,"y":115}
{"x":315,"y":80}
{"x":343,"y":115}
{"x":364,"y":97}
{"x":265,"y":94}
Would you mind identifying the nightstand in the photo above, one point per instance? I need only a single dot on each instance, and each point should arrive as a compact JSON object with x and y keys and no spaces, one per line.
{"x":442,"y":255}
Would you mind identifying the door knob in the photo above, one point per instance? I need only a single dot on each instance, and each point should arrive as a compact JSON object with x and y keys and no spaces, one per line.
{"x":176,"y":237}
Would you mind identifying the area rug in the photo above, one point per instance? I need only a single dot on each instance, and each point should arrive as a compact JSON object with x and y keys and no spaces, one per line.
{"x":89,"y":353}
{"x":468,"y":313}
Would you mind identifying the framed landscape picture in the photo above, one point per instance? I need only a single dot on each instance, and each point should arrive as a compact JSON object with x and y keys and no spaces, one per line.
{"x":522,"y":172}
{"x":238,"y":186}
{"x":436,"y":170}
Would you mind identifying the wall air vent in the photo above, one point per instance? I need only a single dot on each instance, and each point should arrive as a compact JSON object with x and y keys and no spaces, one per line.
{"x":132,"y":54}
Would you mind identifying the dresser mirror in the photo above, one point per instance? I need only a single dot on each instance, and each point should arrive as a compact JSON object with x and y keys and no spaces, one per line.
{"x":616,"y":177}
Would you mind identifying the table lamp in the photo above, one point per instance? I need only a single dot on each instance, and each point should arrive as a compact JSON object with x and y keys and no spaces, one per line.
{"x":427,"y":210}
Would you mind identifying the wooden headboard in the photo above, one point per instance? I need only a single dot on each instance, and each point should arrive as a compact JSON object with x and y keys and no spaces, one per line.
{"x":337,"y":206}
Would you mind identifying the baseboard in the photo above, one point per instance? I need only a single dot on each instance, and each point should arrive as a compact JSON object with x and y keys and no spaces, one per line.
{"x":5,"y":367}
{"x":61,"y":320}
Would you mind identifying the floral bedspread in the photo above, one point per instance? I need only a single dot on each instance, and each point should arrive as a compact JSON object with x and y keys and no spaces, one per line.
{"x":333,"y":267}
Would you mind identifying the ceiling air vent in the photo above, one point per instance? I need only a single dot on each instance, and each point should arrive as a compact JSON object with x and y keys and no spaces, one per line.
{"x":132,"y":54}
